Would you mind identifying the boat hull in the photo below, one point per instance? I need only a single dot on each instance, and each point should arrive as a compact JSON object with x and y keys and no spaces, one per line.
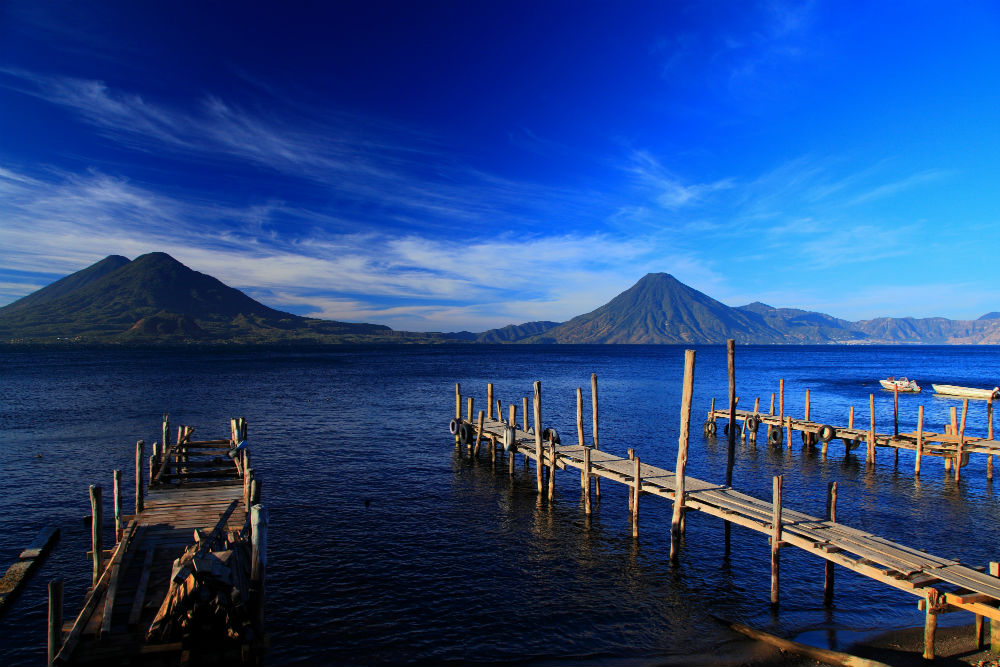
{"x":965,"y":392}
{"x":903,"y":388}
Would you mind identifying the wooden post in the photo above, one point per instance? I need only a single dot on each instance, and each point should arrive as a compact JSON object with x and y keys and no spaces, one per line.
{"x":850,"y":418}
{"x":994,"y":571}
{"x":552,"y":470}
{"x":831,"y":516}
{"x":469,"y":403}
{"x":117,"y":477}
{"x":775,"y":536}
{"x":539,"y":461}
{"x":932,"y":606}
{"x":165,"y":439}
{"x":731,"y":454}
{"x":895,"y":410}
{"x":258,"y":567}
{"x":489,"y":402}
{"x":139,"y":458}
{"x":585,"y":479}
{"x":920,"y":440}
{"x":871,"y":431}
{"x":781,"y":400}
{"x":152,"y":466}
{"x":713,"y":409}
{"x":579,"y":416}
{"x":989,"y":435}
{"x":593,"y":409}
{"x":961,"y":441}
{"x":789,"y":425}
{"x":479,"y":431}
{"x":254,"y":491}
{"x":96,"y":538}
{"x":513,"y":450}
{"x":807,"y":405}
{"x":676,"y":523}
{"x":771,"y":412}
{"x":636,"y":492}
{"x":527,"y":413}
{"x":458,"y":409}
{"x":631,"y":494}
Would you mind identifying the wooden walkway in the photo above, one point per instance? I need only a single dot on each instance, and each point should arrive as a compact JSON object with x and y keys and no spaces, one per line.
{"x":192,"y":527}
{"x":941,"y":584}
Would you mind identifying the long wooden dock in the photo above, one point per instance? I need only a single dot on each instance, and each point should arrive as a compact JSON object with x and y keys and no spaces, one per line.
{"x":953,"y":445}
{"x":942,"y":584}
{"x":183,"y":583}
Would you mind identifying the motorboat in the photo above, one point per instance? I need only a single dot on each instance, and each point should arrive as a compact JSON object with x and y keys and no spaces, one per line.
{"x":901,"y":385}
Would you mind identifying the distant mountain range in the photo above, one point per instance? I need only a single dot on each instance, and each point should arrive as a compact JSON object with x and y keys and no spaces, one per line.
{"x":156,"y":299}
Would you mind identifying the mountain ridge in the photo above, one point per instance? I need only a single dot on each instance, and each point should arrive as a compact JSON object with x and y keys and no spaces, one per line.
{"x":156,"y":299}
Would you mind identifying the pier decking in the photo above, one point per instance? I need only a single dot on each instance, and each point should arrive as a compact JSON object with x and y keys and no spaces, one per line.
{"x":183,"y":583}
{"x":941,"y":584}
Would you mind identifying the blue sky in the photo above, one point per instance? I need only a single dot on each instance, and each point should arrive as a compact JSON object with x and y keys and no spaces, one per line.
{"x":466,"y":165}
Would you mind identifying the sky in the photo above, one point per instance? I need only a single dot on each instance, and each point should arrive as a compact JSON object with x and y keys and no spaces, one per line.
{"x":445,"y":166}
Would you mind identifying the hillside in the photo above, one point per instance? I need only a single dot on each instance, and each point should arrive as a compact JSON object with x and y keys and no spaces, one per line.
{"x":152,"y":298}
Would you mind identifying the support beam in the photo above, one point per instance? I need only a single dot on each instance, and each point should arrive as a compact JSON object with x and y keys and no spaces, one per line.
{"x":775,"y":536}
{"x":677,"y":523}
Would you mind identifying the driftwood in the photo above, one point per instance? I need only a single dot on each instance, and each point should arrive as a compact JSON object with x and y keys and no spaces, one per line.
{"x":822,"y":655}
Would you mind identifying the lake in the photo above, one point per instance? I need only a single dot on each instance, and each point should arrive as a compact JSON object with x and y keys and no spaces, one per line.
{"x":388,"y":547}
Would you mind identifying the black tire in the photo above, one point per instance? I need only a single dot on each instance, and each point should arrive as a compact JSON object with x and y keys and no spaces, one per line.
{"x":827,"y":433}
{"x":725,"y":429}
{"x":753,"y":423}
{"x":710,"y":427}
{"x":852,"y":444}
{"x":774,"y":436}
{"x":454,"y":425}
{"x":466,"y":434}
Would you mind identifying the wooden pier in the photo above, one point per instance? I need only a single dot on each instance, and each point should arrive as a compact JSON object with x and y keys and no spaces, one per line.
{"x":941,"y":584}
{"x":184,"y":581}
{"x":953,"y":445}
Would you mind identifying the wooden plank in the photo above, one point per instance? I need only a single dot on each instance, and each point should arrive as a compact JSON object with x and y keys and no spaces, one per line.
{"x":139,"y":599}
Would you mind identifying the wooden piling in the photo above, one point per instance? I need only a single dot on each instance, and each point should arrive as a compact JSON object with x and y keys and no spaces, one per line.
{"x":552,"y":469}
{"x":636,"y":492}
{"x":511,"y":419}
{"x":479,"y":431}
{"x":631,"y":495}
{"x":527,"y":413}
{"x":489,"y":402}
{"x":258,"y":567}
{"x":165,"y":439}
{"x":771,"y":412}
{"x":139,"y":457}
{"x":152,"y":466}
{"x":871,"y":431}
{"x":676,"y":523}
{"x":895,"y":410}
{"x":96,"y":537}
{"x":807,"y":405}
{"x":117,"y":477}
{"x":458,"y":409}
{"x":920,"y":440}
{"x":831,"y":515}
{"x":579,"y":416}
{"x":55,"y":619}
{"x":994,"y":571}
{"x":989,"y":436}
{"x":789,"y":427}
{"x":539,"y":461}
{"x":961,"y":441}
{"x":731,"y":365}
{"x":585,"y":479}
{"x":850,"y":418}
{"x":593,"y":408}
{"x":775,"y":536}
{"x":932,"y":607}
{"x":781,"y":400}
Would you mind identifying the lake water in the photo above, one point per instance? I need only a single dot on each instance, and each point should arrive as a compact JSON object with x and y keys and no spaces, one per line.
{"x":388,"y":547}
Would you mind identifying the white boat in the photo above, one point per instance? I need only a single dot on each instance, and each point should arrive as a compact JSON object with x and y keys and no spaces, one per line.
{"x":967,"y":392}
{"x":901,"y":384}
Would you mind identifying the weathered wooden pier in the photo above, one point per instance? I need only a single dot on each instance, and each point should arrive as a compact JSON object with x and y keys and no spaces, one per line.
{"x":941,"y":584}
{"x":953,"y":445}
{"x":184,"y":581}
